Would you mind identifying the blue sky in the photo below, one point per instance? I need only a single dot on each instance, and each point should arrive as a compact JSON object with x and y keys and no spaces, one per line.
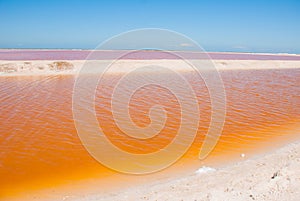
{"x":247,"y":26}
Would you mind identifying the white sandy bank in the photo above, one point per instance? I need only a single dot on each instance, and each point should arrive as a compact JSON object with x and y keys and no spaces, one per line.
{"x":274,"y":176}
{"x":36,"y":67}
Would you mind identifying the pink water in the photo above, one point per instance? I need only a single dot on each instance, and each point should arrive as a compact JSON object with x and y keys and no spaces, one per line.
{"x":100,"y":54}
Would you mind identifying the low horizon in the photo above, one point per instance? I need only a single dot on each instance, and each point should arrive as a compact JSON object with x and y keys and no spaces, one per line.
{"x":208,"y":51}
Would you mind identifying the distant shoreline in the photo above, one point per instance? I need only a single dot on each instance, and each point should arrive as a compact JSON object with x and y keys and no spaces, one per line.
{"x":82,"y":54}
{"x":88,"y":49}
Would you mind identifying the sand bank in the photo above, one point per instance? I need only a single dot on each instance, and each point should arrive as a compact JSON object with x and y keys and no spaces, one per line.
{"x":48,"y":67}
{"x":274,"y":176}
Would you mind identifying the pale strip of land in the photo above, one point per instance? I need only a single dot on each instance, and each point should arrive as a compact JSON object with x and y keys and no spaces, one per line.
{"x":44,"y":67}
{"x":273,"y":176}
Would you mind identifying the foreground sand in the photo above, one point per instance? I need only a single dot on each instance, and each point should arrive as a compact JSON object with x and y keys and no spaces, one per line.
{"x":274,"y":176}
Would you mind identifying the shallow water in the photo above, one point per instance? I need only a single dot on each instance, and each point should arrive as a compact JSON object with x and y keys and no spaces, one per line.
{"x":40,"y":146}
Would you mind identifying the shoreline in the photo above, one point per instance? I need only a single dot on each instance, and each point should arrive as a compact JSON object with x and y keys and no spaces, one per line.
{"x":198,"y":179}
{"x":271,"y":176}
{"x":207,"y":182}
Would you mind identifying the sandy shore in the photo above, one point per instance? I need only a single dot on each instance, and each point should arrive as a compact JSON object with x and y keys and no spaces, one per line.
{"x":273,"y":176}
{"x":47,"y":67}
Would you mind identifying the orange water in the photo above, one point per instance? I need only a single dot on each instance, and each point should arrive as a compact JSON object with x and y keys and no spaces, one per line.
{"x":40,"y":147}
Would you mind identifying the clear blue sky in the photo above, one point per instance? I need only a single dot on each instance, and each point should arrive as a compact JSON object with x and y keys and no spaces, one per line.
{"x":253,"y":25}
